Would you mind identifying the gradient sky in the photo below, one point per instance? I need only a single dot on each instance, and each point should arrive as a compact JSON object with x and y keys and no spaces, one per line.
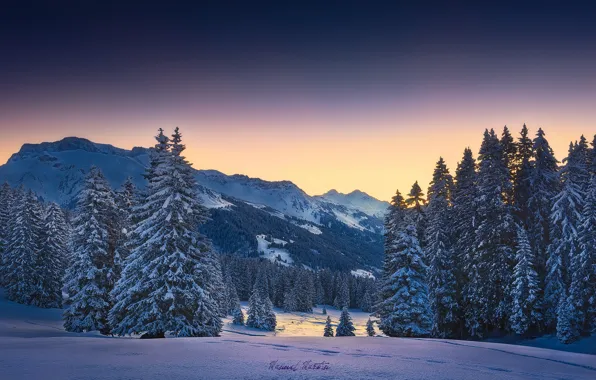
{"x":346,"y":95}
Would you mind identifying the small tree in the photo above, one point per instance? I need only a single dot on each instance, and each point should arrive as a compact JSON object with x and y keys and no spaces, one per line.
{"x":370,"y":328}
{"x":238,"y":316}
{"x":345,"y":326}
{"x":324,"y":310}
{"x":328,"y":328}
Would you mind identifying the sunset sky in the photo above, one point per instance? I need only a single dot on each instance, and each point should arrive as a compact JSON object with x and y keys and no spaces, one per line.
{"x":340,"y":96}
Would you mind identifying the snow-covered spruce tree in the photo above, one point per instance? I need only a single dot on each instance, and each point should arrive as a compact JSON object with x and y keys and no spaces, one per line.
{"x":574,"y":317}
{"x":526,"y":308}
{"x":125,"y":199}
{"x":489,"y":278}
{"x":88,"y":279}
{"x":52,"y":258}
{"x":370,"y":328}
{"x":304,"y":291}
{"x":328,"y":332}
{"x":21,"y":262}
{"x":6,"y":202}
{"x":509,"y":149}
{"x":233,"y":302}
{"x":406,"y":312}
{"x":565,"y":219}
{"x":345,"y":327}
{"x":289,"y":303}
{"x":442,"y":282}
{"x":342,"y":299}
{"x":324,"y":310}
{"x":238,"y":316}
{"x":213,"y":281}
{"x":522,"y":176}
{"x":416,"y":202}
{"x":164,"y":288}
{"x":260,"y":308}
{"x":544,"y":185}
{"x":463,"y":228}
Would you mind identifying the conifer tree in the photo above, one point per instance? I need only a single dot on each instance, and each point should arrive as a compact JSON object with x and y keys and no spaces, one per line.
{"x":439,"y":252}
{"x":238,"y":316}
{"x":88,"y":278}
{"x":125,"y":202}
{"x":544,"y":182}
{"x":21,"y":262}
{"x":488,"y":294}
{"x":328,"y":329}
{"x":406,"y":311}
{"x":52,"y":258}
{"x":526,"y":313}
{"x":416,"y":201}
{"x":165,"y":286}
{"x":370,"y":328}
{"x":509,"y":149}
{"x":233,"y":302}
{"x":260,"y":308}
{"x":522,"y":176}
{"x":6,"y":203}
{"x":324,"y":310}
{"x":342,"y":299}
{"x":345,"y":327}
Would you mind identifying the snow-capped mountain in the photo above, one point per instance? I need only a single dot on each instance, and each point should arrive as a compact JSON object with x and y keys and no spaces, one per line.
{"x":55,"y":171}
{"x":358,"y":200}
{"x":323,"y":233}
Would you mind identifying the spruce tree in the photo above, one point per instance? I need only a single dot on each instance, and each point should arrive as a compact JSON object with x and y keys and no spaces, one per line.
{"x":439,"y":253}
{"x":345,"y":327}
{"x":238,"y":316}
{"x":328,"y":328}
{"x":342,"y":299}
{"x":526,"y":313}
{"x":21,"y":267}
{"x":405,"y":310}
{"x":260,"y":308}
{"x":233,"y":302}
{"x":544,"y":185}
{"x":370,"y":328}
{"x":416,"y":201}
{"x":565,"y":219}
{"x":522,"y":176}
{"x":125,"y":200}
{"x":509,"y":149}
{"x":88,"y":278}
{"x":53,"y":256}
{"x":165,"y":286}
{"x":488,"y":290}
{"x":6,"y":203}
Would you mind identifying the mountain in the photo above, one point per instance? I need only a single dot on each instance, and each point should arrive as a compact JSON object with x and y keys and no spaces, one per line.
{"x":358,"y":200}
{"x":319,"y":231}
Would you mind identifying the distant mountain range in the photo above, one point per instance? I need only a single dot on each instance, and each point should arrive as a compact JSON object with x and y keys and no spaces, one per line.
{"x":334,"y":223}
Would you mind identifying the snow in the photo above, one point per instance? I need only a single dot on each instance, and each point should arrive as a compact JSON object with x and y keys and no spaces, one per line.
{"x":362,"y":273}
{"x":348,"y":219}
{"x":33,"y":346}
{"x":273,"y":253}
{"x":310,"y":228}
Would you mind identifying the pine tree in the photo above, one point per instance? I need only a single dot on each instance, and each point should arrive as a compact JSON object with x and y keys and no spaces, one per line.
{"x":89,"y":283}
{"x":165,"y":286}
{"x":238,"y":316}
{"x":416,"y":201}
{"x":522,"y":176}
{"x":6,"y":202}
{"x":328,"y":329}
{"x":526,"y":313}
{"x":565,"y":219}
{"x":260,"y":308}
{"x":488,"y":295}
{"x":441,"y":276}
{"x":21,"y":262}
{"x":345,"y":327}
{"x":342,"y":299}
{"x":463,"y":229}
{"x":544,"y":185}
{"x":233,"y":302}
{"x":370,"y":328}
{"x":405,"y":311}
{"x":509,"y":149}
{"x":577,"y":319}
{"x":52,"y":258}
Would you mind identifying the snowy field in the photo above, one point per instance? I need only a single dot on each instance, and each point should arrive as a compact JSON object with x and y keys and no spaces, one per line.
{"x":33,"y":345}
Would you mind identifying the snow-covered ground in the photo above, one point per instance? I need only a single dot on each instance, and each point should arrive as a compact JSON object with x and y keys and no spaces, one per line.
{"x":273,"y":253}
{"x":33,"y":345}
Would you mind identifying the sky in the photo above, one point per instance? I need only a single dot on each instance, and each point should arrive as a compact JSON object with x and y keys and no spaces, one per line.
{"x":341,"y":95}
